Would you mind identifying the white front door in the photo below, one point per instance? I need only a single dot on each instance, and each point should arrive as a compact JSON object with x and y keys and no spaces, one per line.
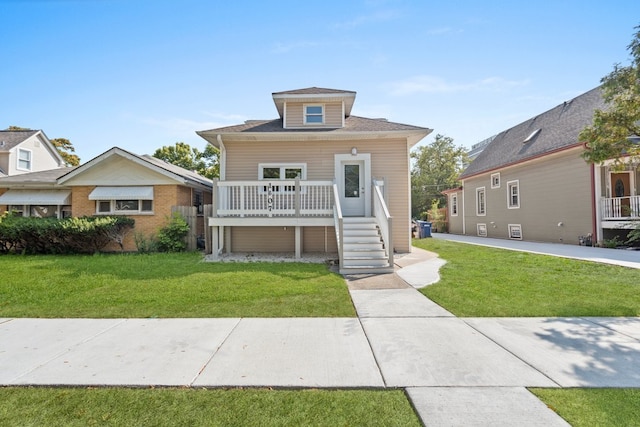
{"x":353,"y":177}
{"x":352,"y":192}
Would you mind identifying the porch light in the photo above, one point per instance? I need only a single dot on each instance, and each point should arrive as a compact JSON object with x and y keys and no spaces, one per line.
{"x":354,"y":151}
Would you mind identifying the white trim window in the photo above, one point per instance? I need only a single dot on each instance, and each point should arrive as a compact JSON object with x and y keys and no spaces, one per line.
{"x":313,"y":114}
{"x":481,"y":201}
{"x":513,"y":194}
{"x":481,"y":230}
{"x":453,"y":200}
{"x":515,"y":231}
{"x":122,"y":206}
{"x":495,"y":180}
{"x":280,"y":172}
{"x":24,"y":159}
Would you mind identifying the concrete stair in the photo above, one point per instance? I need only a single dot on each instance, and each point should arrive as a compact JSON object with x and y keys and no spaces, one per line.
{"x":363,"y":249}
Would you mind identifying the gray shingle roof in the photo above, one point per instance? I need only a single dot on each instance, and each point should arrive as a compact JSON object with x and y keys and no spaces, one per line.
{"x":558,"y":128}
{"x":351,"y":124}
{"x":11,"y":138}
{"x":312,"y":91}
{"x":41,"y":177}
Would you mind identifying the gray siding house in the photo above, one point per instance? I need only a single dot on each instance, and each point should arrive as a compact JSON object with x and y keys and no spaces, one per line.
{"x":530,"y":183}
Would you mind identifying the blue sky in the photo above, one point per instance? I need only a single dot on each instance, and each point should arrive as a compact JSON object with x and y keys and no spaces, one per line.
{"x":140,"y":74}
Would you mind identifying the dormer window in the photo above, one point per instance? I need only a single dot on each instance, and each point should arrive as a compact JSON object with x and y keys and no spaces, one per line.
{"x":313,"y":114}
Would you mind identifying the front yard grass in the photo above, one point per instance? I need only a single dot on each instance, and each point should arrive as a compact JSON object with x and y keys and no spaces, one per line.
{"x":594,"y":407}
{"x":479,"y":281}
{"x":200,"y":407}
{"x":168,"y":286}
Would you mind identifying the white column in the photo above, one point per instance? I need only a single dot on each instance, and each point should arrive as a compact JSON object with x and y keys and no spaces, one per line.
{"x":298,"y":242}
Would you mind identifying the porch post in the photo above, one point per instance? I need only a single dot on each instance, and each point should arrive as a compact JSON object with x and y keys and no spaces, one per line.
{"x":297,"y":197}
{"x":215,"y":243}
{"x":298,"y":242}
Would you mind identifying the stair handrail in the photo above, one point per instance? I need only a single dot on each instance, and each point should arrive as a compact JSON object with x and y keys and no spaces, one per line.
{"x":384,"y":221}
{"x":339,"y":224}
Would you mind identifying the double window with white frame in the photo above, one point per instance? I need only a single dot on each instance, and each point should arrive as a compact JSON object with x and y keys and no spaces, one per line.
{"x":313,"y":114}
{"x":124,"y":206}
{"x":280,"y":172}
{"x":24,"y":159}
{"x":481,"y":202}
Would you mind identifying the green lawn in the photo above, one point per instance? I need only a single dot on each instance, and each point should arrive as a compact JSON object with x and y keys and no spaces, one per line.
{"x":594,"y":407}
{"x":485,"y":282}
{"x":167,"y":285}
{"x":199,"y":407}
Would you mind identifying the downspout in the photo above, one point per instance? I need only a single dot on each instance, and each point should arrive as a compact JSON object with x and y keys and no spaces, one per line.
{"x":464,"y":206}
{"x":595,"y":213}
{"x":223,"y":175}
{"x":223,"y":158}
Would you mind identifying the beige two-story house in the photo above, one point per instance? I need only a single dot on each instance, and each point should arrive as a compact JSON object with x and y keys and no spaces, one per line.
{"x":25,"y":151}
{"x":531,"y":183}
{"x":315,"y":179}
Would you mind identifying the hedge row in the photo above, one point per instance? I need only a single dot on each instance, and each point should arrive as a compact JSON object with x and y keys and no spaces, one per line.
{"x":32,"y":235}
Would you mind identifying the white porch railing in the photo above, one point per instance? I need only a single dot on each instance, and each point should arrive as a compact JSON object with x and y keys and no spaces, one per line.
{"x":339,"y":224}
{"x":383,"y":219}
{"x":616,"y":208}
{"x":275,"y":198}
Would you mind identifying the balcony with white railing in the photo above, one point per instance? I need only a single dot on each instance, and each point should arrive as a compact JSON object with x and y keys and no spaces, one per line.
{"x":275,"y":202}
{"x":620,"y":209}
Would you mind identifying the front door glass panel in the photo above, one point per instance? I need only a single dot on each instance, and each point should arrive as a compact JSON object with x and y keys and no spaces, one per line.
{"x":351,"y":181}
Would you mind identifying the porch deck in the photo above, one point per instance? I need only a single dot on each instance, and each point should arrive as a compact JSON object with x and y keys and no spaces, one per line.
{"x":620,"y":212}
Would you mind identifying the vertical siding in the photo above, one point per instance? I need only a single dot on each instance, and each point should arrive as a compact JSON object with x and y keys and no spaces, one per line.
{"x":389,"y":160}
{"x":553,"y":190}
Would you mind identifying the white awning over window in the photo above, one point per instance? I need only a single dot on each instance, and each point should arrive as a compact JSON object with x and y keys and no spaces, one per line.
{"x":122,"y":193}
{"x":36,"y":197}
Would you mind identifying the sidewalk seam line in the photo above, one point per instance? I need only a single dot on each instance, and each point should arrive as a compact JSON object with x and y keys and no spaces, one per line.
{"x":204,"y":366}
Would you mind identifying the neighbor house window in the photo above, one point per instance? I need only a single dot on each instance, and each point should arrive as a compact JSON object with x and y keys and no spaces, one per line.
{"x":198,"y":201}
{"x":279,"y":172}
{"x":481,"y":202}
{"x":495,"y":180}
{"x":124,"y":206}
{"x":513,"y":194}
{"x":454,"y":205}
{"x":24,"y":159}
{"x":313,"y":114}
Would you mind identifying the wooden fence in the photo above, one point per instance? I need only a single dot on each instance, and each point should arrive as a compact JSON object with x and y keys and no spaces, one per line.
{"x":190,"y":215}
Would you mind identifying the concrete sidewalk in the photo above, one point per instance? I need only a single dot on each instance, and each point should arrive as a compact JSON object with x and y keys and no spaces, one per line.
{"x":622,"y":257}
{"x":457,"y":371}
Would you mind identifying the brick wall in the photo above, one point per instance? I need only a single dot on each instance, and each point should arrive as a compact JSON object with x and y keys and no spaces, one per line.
{"x":146,"y":225}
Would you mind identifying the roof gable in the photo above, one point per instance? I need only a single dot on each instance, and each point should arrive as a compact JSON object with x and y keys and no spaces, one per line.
{"x":546,"y":133}
{"x":120,"y":167}
{"x":12,"y":138}
{"x":314,"y":94}
{"x":9,"y":139}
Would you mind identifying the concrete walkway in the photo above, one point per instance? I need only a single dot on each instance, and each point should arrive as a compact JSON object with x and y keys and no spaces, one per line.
{"x":457,"y":371}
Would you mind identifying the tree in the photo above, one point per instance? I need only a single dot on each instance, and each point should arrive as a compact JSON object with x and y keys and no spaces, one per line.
{"x":64,"y":147}
{"x":181,"y":154}
{"x":436,"y":168}
{"x":614,"y":132}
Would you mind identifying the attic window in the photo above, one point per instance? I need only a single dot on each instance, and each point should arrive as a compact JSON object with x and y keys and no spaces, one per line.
{"x":313,"y":114}
{"x":531,"y":136}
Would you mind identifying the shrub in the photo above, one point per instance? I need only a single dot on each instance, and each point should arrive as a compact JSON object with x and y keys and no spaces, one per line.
{"x":60,"y":236}
{"x":171,"y":237}
{"x":145,"y":244}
